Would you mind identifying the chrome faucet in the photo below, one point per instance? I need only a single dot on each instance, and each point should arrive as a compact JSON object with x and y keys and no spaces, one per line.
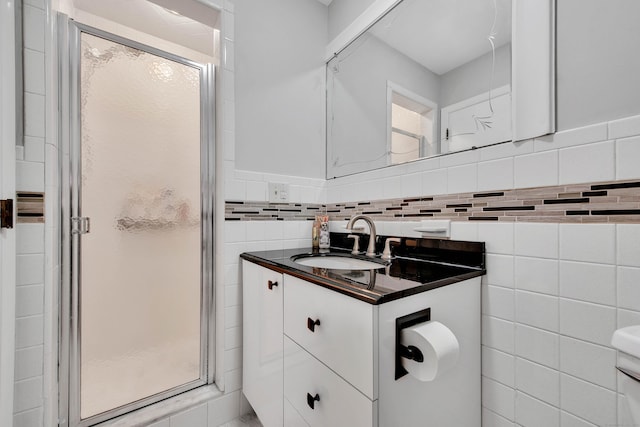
{"x":371,"y":249}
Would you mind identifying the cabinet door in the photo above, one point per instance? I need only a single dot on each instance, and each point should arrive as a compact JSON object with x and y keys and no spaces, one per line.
{"x":336,"y":329}
{"x":292,"y":418}
{"x":320,"y":396}
{"x":262,"y":342}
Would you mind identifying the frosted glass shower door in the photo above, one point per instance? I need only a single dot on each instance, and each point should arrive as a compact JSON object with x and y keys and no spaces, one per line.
{"x":139,"y":268}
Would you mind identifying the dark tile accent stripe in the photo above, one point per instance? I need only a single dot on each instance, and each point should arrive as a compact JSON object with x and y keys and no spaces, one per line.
{"x":617,"y":212}
{"x":460,"y":205}
{"x":563,"y":201}
{"x":509,"y":208}
{"x":248,"y":212}
{"x":496,"y":194}
{"x":616,"y":185}
{"x":418,"y":199}
{"x":594,"y":193}
{"x":483,"y":218}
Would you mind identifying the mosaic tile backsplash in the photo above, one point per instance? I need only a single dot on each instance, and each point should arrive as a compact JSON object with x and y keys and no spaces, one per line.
{"x":602,"y":202}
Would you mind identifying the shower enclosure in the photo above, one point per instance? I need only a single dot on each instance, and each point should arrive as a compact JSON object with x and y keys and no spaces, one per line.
{"x":137,"y":225}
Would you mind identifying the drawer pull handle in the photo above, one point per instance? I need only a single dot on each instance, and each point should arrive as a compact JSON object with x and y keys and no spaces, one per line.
{"x":271,"y":284}
{"x":311,"y":324}
{"x":311,"y":400}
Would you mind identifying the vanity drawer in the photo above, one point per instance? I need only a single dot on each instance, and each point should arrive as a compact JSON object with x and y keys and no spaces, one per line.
{"x":336,"y":329}
{"x":320,"y":396}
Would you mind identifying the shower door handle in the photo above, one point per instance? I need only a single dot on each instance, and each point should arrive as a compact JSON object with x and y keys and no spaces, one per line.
{"x":80,"y":225}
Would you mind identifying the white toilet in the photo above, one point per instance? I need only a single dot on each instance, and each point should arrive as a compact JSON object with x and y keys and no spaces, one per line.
{"x":627,"y":341}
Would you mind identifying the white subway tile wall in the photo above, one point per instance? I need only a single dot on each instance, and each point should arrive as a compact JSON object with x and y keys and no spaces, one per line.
{"x":587,"y":163}
{"x":495,"y":173}
{"x":29,"y":387}
{"x":534,"y":412}
{"x":627,"y":153}
{"x":555,"y":357}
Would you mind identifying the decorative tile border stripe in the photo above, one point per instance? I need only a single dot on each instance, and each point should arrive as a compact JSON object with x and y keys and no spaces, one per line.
{"x":30,"y":207}
{"x":265,"y":211}
{"x":603,"y":202}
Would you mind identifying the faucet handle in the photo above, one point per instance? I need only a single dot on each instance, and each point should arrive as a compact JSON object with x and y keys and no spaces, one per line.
{"x":356,"y":243}
{"x":386,"y":253}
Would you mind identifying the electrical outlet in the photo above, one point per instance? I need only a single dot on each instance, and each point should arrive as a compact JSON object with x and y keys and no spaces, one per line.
{"x":278,"y":192}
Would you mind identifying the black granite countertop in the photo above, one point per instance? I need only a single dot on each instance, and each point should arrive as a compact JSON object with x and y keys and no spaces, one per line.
{"x":421,"y":265}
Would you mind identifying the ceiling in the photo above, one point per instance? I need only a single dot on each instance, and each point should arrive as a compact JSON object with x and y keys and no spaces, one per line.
{"x":443,"y":34}
{"x":188,"y":23}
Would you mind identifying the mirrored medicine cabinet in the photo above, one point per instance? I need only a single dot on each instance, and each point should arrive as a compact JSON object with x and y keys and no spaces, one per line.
{"x":414,"y":79}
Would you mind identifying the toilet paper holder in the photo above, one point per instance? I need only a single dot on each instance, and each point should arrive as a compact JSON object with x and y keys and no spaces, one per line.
{"x":408,"y":352}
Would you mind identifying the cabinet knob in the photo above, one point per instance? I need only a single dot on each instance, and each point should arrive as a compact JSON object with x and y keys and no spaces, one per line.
{"x":311,"y":400}
{"x":311,"y":324}
{"x":271,"y":284}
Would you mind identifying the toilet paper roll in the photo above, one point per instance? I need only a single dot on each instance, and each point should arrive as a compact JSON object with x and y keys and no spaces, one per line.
{"x":439,"y":347}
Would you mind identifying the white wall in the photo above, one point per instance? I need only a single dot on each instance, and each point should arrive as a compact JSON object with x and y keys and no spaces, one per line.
{"x":279,"y":69}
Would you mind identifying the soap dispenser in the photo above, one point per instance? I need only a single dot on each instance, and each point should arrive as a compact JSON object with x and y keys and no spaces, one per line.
{"x":315,"y":234}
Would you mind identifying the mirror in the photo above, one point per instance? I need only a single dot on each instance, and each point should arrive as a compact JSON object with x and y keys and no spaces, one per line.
{"x":429,"y":77}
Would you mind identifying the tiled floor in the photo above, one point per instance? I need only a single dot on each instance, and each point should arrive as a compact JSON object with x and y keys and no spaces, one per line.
{"x":247,"y":420}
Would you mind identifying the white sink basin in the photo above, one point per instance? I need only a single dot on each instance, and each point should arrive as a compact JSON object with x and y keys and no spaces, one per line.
{"x":627,"y":340}
{"x":337,"y":262}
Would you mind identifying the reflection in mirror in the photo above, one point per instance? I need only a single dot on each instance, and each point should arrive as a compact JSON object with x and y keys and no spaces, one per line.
{"x":430,"y":77}
{"x":413,"y":130}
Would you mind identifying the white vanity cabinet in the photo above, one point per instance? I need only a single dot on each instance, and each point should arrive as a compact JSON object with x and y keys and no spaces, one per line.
{"x":263,"y":342}
{"x":337,"y":356}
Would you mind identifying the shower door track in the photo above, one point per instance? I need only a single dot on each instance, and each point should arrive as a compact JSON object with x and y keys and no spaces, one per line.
{"x":68,"y":44}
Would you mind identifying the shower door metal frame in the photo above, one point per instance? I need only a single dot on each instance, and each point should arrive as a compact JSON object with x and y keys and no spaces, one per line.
{"x":69,"y":39}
